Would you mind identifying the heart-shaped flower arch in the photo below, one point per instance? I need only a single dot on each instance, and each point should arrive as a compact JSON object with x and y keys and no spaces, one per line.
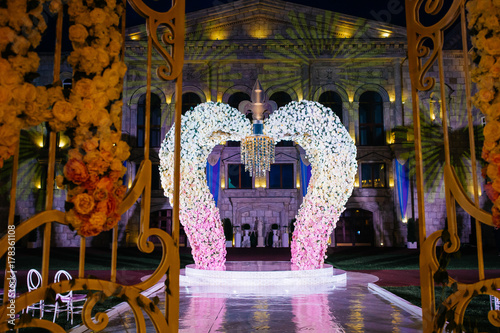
{"x":316,"y":128}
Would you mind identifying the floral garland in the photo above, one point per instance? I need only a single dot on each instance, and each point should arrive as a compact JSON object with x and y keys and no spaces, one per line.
{"x":332,"y":154}
{"x":484,"y":28}
{"x":206,"y":126}
{"x":315,"y":127}
{"x":20,"y":101}
{"x":95,"y":168}
{"x":92,"y":110}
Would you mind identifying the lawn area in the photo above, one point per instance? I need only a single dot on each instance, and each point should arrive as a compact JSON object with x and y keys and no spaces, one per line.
{"x":380,"y":258}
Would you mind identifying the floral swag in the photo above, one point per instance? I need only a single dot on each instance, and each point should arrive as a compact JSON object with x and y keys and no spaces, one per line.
{"x":90,"y":111}
{"x":329,"y":148}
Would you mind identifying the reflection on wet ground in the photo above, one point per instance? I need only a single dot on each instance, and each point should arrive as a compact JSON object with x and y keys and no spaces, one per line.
{"x":344,"y":307}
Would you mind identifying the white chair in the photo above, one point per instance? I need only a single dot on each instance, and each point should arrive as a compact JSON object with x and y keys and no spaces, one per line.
{"x":34,"y":282}
{"x":65,"y":302}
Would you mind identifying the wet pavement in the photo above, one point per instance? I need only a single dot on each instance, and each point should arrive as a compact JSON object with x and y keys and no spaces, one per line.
{"x":354,"y":305}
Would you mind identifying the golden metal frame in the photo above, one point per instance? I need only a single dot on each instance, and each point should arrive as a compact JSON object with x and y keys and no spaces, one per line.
{"x":173,"y":53}
{"x":421,"y":58}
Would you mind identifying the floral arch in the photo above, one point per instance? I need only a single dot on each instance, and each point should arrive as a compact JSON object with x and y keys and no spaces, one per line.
{"x":329,"y":148}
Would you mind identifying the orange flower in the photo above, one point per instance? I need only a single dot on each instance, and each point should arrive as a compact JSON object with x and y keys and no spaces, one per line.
{"x":98,"y":219}
{"x":64,"y":111}
{"x":112,"y":221}
{"x":78,"y":33}
{"x":84,"y":203}
{"x":491,"y":131}
{"x":98,"y":16}
{"x":120,"y":191}
{"x":76,"y":171}
{"x":85,"y":88}
{"x":89,"y":230}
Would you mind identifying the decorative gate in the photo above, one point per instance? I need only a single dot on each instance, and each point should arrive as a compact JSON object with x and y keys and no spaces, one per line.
{"x":92,"y":110}
{"x":425,"y":48}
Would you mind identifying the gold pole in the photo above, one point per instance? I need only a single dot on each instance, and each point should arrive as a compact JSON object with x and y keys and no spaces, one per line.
{"x":472,"y":144}
{"x":12,"y":213}
{"x":81,"y":264}
{"x":173,"y":314}
{"x":52,"y":160}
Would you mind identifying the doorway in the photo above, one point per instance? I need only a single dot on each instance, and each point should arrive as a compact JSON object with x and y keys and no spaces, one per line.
{"x":355,"y":228}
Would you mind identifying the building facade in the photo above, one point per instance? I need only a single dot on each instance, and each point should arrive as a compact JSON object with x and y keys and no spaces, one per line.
{"x":355,"y":66}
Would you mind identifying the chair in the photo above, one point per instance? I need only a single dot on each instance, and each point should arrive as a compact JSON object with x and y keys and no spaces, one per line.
{"x":65,"y":302}
{"x":34,"y":282}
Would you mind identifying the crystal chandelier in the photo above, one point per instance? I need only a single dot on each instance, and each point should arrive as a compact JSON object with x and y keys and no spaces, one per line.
{"x":257,"y":150}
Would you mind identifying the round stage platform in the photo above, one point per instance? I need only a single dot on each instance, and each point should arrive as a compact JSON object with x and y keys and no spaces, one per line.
{"x":257,"y":274}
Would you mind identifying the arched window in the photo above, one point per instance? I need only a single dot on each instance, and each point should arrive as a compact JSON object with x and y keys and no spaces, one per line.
{"x":189,"y":100}
{"x":281,"y":98}
{"x":155,"y":121}
{"x":371,"y":119}
{"x":332,"y":100}
{"x":236,"y":98}
{"x":233,"y":101}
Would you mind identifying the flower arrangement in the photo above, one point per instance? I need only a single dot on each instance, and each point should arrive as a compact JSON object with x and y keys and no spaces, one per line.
{"x":21,"y":103}
{"x":484,"y":28}
{"x":202,"y":129}
{"x":315,"y":127}
{"x":95,"y":168}
{"x":332,"y":154}
{"x":92,"y":109}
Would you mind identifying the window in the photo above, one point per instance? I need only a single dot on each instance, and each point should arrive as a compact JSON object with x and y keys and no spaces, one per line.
{"x":281,"y":176}
{"x":281,"y":98}
{"x":236,"y":98}
{"x":189,"y":101}
{"x":234,"y":101}
{"x":373,"y":175}
{"x":155,"y":121}
{"x":238,"y":177}
{"x":332,"y":100}
{"x":371,"y":119}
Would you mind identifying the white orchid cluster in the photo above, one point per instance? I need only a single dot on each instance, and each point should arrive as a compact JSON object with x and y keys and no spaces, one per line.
{"x":332,"y":154}
{"x":202,"y":128}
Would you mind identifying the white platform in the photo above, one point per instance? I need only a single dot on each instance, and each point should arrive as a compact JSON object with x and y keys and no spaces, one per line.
{"x":248,"y":276}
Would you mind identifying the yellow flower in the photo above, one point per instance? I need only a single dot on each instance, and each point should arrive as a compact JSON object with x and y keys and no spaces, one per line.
{"x":85,"y":88}
{"x":84,"y":203}
{"x":100,"y":99}
{"x":102,"y":57}
{"x":8,"y":135}
{"x":486,"y":62}
{"x":492,"y":131}
{"x":78,"y":33}
{"x":486,"y":95}
{"x":64,"y":111}
{"x":122,"y":151}
{"x":34,"y":38}
{"x":7,"y":36}
{"x":55,"y":6}
{"x":492,"y":45}
{"x":20,"y":45}
{"x":98,"y":16}
{"x":5,"y":97}
{"x":492,"y":171}
{"x":11,"y":78}
{"x":55,"y":94}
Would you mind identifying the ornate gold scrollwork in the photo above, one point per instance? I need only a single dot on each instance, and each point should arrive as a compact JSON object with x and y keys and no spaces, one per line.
{"x":418,"y":34}
{"x":173,"y":35}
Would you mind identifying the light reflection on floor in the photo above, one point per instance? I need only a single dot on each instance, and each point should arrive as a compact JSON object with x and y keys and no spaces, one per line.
{"x":347,"y":308}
